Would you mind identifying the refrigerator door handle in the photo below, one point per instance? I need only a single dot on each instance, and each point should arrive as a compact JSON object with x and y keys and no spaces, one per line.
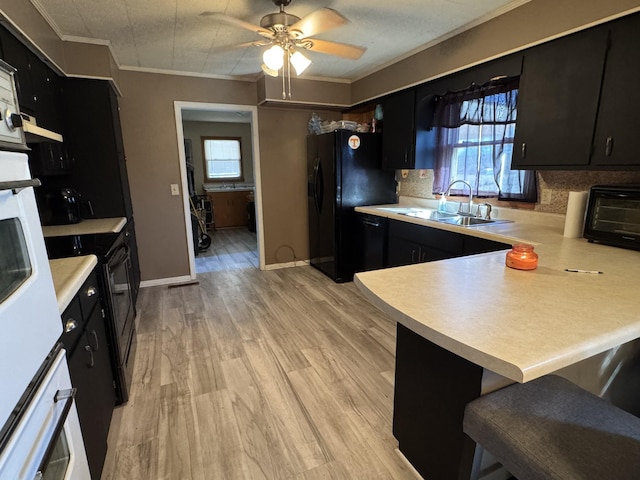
{"x":320,"y":184}
{"x":315,"y":184}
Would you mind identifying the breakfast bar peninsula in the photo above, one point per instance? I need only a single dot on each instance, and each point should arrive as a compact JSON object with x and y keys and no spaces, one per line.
{"x":470,"y":325}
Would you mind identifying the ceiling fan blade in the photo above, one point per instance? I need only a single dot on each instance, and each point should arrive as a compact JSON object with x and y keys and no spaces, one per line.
{"x":221,"y":17}
{"x":318,"y":22}
{"x":227,"y":48}
{"x":334,"y":48}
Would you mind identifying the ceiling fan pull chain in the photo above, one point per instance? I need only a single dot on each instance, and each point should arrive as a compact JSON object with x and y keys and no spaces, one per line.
{"x":289,"y":71}
{"x":284,"y":94}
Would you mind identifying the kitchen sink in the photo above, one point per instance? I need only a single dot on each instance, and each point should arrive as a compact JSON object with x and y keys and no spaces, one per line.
{"x":464,"y":221}
{"x":451,"y":218}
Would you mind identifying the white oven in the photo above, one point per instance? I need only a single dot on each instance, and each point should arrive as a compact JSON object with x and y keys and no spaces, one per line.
{"x":44,"y":440}
{"x":31,"y":326}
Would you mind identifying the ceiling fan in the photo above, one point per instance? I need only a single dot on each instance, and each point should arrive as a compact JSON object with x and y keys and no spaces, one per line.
{"x":289,"y":34}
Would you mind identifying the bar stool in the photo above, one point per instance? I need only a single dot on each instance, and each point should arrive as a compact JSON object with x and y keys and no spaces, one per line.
{"x":551,"y":429}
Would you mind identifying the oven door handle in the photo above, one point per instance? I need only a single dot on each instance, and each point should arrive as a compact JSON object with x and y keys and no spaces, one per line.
{"x":18,"y":185}
{"x":117,"y":258}
{"x":67,"y":396}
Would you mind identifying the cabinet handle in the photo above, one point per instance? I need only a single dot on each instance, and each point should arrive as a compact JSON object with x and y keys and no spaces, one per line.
{"x":413,"y":256}
{"x":95,"y":339}
{"x":523,"y":152}
{"x":406,"y":156}
{"x":88,"y":349}
{"x":608,"y":147}
{"x":91,"y":291}
{"x":70,"y":325}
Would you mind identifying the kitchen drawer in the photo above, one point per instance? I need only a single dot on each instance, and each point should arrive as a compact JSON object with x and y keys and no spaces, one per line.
{"x":72,"y":325}
{"x":88,"y":294}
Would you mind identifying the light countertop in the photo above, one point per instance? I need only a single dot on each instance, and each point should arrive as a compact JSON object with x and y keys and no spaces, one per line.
{"x":519,"y":324}
{"x":238,"y":187}
{"x":68,"y":276}
{"x":88,"y":226}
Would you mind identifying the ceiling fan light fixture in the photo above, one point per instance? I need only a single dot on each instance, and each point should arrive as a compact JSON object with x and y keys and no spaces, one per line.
{"x":269,"y":71}
{"x":299,"y":62}
{"x":273,"y":58}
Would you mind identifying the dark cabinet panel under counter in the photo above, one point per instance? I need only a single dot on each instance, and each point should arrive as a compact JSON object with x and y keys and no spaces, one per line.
{"x":76,"y":281}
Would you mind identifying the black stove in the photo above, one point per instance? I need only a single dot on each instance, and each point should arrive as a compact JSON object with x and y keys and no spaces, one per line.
{"x":118,"y":292}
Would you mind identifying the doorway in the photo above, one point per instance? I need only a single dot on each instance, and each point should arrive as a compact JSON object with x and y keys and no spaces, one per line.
{"x":213,"y":112}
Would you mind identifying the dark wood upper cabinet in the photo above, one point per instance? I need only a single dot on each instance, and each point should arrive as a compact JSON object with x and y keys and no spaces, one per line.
{"x":94,"y":142}
{"x":558,"y":101}
{"x":398,"y":132}
{"x":615,"y":142}
{"x":38,"y":86}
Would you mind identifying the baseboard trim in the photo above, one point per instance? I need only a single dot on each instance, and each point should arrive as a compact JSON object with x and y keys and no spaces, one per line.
{"x":295,"y":263}
{"x":165,"y":281}
{"x":187,"y":278}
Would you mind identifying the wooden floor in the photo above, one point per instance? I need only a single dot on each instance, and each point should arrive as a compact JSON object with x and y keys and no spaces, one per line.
{"x":231,"y":249}
{"x":258,"y":375}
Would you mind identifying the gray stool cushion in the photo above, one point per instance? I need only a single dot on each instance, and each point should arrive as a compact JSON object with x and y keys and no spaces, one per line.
{"x":552,"y":429}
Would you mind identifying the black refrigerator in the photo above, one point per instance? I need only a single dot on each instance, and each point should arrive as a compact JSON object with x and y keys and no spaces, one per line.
{"x":343,"y":171}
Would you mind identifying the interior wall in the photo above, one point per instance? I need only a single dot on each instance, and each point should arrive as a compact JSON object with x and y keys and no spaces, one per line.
{"x":196,"y":130}
{"x":151,"y":145}
{"x":283,"y":167}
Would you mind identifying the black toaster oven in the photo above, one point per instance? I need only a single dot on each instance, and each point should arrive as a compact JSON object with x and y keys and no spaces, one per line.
{"x":613,"y":216}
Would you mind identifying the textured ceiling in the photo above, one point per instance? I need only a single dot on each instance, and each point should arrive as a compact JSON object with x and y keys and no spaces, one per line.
{"x":170,"y":35}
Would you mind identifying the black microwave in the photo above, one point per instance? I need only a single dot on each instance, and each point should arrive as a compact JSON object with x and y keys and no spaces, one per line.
{"x":613,"y":216}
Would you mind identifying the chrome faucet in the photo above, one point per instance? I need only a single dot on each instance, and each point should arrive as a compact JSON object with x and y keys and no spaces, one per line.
{"x":470,"y":194}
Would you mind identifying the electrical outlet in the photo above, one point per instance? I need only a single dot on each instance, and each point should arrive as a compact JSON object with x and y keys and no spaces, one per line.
{"x":175,"y":190}
{"x":545,"y":197}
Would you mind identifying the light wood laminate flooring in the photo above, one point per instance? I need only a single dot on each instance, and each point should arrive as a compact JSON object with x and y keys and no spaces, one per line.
{"x":252,"y":374}
{"x":231,"y":249}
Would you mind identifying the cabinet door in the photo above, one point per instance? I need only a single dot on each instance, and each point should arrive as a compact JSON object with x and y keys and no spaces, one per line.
{"x":229,"y":208}
{"x":91,"y":375}
{"x":473,"y":245}
{"x":19,"y":57}
{"x":558,"y":101}
{"x":398,"y":131}
{"x":402,"y":252}
{"x":615,"y":141}
{"x":99,"y":169}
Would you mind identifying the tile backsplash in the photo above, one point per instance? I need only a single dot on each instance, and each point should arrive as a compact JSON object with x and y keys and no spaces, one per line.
{"x":418,"y":183}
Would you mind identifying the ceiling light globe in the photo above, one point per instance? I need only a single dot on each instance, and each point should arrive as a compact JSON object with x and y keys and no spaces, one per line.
{"x":299,"y":62}
{"x":273,"y":57}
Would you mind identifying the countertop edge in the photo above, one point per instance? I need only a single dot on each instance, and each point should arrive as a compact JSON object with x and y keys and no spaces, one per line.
{"x":492,"y":363}
{"x":86,"y":227}
{"x":68,"y":276}
{"x":502,"y":232}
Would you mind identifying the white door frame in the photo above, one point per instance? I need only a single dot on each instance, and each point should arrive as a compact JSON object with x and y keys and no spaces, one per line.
{"x":220,"y":107}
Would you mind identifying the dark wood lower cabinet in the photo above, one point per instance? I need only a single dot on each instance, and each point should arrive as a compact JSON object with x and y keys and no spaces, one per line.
{"x":432,"y":388}
{"x":90,"y":370}
{"x":410,"y":243}
{"x":91,"y":375}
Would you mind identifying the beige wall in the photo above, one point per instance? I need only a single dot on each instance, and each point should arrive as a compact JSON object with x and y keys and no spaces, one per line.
{"x":196,"y":130}
{"x":151,"y":146}
{"x":283,"y":167}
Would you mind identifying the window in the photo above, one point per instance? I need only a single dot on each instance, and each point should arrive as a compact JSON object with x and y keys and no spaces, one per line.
{"x":222,"y":158}
{"x":475,"y":131}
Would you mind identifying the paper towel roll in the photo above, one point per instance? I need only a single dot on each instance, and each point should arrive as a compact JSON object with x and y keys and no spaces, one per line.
{"x":574,"y":221}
